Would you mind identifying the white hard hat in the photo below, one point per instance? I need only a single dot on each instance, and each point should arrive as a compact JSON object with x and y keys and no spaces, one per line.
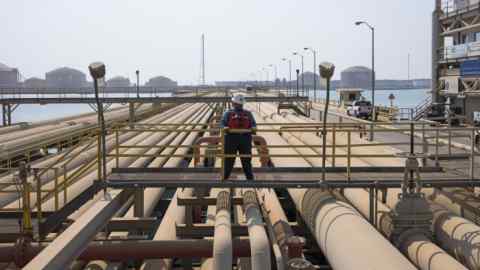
{"x":238,"y":99}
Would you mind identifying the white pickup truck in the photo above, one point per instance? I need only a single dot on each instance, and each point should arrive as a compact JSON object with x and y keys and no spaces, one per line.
{"x":360,"y":109}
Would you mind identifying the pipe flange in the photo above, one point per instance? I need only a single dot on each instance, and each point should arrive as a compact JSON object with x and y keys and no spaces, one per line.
{"x":402,"y":239}
{"x":223,"y":201}
{"x":299,"y":264}
{"x":312,"y":201}
{"x":249,"y":200}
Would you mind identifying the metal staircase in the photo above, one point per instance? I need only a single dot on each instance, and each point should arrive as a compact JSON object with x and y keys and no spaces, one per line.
{"x":422,"y":108}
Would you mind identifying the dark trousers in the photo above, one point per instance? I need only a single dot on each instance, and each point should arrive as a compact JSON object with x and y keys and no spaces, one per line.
{"x":241,"y":143}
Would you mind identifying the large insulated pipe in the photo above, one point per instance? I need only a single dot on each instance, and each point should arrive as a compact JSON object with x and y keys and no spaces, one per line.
{"x":80,"y":232}
{"x":148,"y":204}
{"x":413,"y":243}
{"x":332,"y":223}
{"x":339,"y":229}
{"x":79,"y":159}
{"x":416,"y":246}
{"x":219,"y":216}
{"x":457,"y":235}
{"x":222,"y":242}
{"x":259,"y":246}
{"x":87,"y":180}
{"x":175,"y":214}
{"x":128,"y":250}
{"x":243,"y":263}
{"x":290,"y":245}
{"x":18,"y":146}
{"x":152,"y":195}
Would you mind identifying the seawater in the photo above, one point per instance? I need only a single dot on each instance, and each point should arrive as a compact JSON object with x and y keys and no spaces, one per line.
{"x":408,"y":98}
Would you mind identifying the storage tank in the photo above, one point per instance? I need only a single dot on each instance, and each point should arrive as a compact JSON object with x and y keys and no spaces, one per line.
{"x":118,"y":81}
{"x":9,"y":76}
{"x":356,"y":77}
{"x":161,"y":82}
{"x":66,"y":77}
{"x":35,"y":83}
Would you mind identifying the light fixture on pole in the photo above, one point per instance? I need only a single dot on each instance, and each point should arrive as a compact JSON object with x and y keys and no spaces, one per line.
{"x":303,"y":82}
{"x":297,"y":71}
{"x":326,"y":72}
{"x":275,"y":73}
{"x":290,"y":74}
{"x":138,"y":82}
{"x":267,"y":76}
{"x":97,"y":71}
{"x":314,"y":52}
{"x":374,"y":113}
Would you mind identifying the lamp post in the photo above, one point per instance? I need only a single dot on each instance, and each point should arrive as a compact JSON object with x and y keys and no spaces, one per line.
{"x":314,"y":71}
{"x":97,"y":71}
{"x":303,"y":83}
{"x":267,"y":75}
{"x":290,"y":74}
{"x":276,"y":74}
{"x":326,"y":71}
{"x":138,"y":82}
{"x":297,"y":71}
{"x":374,"y":115}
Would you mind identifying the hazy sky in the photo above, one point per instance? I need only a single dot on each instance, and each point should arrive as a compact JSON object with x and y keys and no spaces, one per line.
{"x":162,"y":37}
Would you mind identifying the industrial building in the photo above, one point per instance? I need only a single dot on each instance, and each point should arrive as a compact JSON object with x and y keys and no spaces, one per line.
{"x":356,"y":77}
{"x":456,"y":58}
{"x":66,"y":78}
{"x":118,"y":81}
{"x":161,"y":82}
{"x":9,"y":76}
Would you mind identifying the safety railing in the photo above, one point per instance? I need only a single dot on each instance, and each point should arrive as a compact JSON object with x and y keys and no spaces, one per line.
{"x":345,"y":146}
{"x":436,"y":142}
{"x":450,"y":9}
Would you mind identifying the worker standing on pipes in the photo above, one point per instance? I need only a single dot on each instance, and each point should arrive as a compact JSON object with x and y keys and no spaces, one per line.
{"x":238,"y":118}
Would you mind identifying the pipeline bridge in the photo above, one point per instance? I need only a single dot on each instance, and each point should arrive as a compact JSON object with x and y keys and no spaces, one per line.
{"x":324,"y":197}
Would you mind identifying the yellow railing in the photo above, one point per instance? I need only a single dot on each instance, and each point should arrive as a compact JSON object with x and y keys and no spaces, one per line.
{"x":348,"y":150}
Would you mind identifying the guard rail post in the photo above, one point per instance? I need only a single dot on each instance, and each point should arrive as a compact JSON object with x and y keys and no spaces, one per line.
{"x":437,"y":141}
{"x":334,"y":143}
{"x":38,"y":193}
{"x":472,"y":155}
{"x":27,"y":227}
{"x":349,"y":152}
{"x":117,"y":162}
{"x":222,"y":153}
{"x":424,"y":146}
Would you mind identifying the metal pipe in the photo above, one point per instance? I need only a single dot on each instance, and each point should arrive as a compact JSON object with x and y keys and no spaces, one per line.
{"x":80,"y":158}
{"x":124,"y":251}
{"x":151,"y":196}
{"x":259,"y":246}
{"x":68,"y":245}
{"x":290,"y":245}
{"x":331,"y":221}
{"x":84,"y":228}
{"x":222,"y":243}
{"x":243,"y":263}
{"x":175,"y":214}
{"x":414,"y":244}
{"x":77,"y":187}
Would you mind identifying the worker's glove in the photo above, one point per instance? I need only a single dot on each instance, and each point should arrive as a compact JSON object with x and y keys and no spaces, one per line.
{"x":254,"y":131}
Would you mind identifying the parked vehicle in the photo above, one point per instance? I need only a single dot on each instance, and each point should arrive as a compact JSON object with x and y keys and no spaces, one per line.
{"x":360,"y":109}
